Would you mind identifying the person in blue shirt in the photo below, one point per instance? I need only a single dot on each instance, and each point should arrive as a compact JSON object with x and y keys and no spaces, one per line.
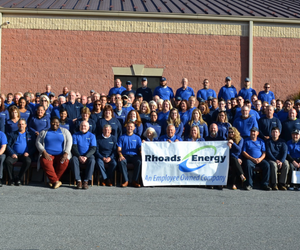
{"x":20,"y":147}
{"x":153,"y":123}
{"x":245,"y":122}
{"x":228,"y":91}
{"x":206,"y":91}
{"x":276,"y":150}
{"x":213,"y":135}
{"x":4,"y":115}
{"x":109,"y":118}
{"x":96,"y":111}
{"x":289,"y":125}
{"x":3,"y":145}
{"x":117,"y":89}
{"x":254,"y":152}
{"x":206,"y":116}
{"x":185,"y":114}
{"x":120,"y":113}
{"x":266,"y":94}
{"x":145,"y":112}
{"x":12,"y":122}
{"x":65,"y":92}
{"x":25,"y":113}
{"x":129,"y":150}
{"x":284,"y":113}
{"x":247,"y":92}
{"x":64,"y":121}
{"x":128,"y":89}
{"x":196,"y":119}
{"x":170,"y":135}
{"x":293,"y":157}
{"x":235,"y":143}
{"x":85,"y":116}
{"x":73,"y":107}
{"x":174,"y":118}
{"x":9,"y":100}
{"x":133,"y":116}
{"x":83,"y":149}
{"x":223,"y":124}
{"x":144,"y":90}
{"x":106,"y":155}
{"x":150,"y":135}
{"x":185,"y":92}
{"x":194,"y":134}
{"x":163,"y":91}
{"x":39,"y":121}
{"x":45,"y":102}
{"x":56,"y":110}
{"x":162,"y":116}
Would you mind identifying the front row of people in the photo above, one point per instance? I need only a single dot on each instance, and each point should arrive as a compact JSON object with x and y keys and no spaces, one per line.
{"x":57,"y":148}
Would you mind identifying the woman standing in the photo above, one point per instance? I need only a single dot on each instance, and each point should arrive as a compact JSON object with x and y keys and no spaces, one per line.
{"x":223,"y":124}
{"x":12,"y":123}
{"x":145,"y":112}
{"x":39,"y":122}
{"x":54,"y":146}
{"x":25,"y":113}
{"x":134,"y":117}
{"x":174,"y":119}
{"x":153,"y":124}
{"x":196,"y":120}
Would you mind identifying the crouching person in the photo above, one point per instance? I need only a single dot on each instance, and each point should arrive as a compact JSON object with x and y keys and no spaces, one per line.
{"x":276,"y":156}
{"x":105,"y":154}
{"x":129,"y":149}
{"x":20,"y":147}
{"x":83,"y":149}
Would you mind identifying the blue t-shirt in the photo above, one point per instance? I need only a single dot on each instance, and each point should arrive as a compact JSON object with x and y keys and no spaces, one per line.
{"x":25,"y":115}
{"x":166,"y":138}
{"x":165,"y":93}
{"x":254,"y":148}
{"x":84,"y":141}
{"x":115,"y":90}
{"x":266,"y":97}
{"x":227,"y":92}
{"x":294,"y":149}
{"x":130,"y":144}
{"x":185,"y":94}
{"x":20,"y":146}
{"x":205,"y":93}
{"x":54,"y":142}
{"x":247,"y":93}
{"x":3,"y":139}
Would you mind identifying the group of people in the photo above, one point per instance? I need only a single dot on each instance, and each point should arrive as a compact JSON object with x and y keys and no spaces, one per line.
{"x":107,"y":131}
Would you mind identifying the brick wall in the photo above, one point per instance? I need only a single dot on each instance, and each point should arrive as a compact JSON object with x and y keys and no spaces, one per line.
{"x":83,"y":60}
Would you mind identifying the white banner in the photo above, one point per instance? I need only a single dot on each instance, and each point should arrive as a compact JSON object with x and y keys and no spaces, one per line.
{"x":185,"y":163}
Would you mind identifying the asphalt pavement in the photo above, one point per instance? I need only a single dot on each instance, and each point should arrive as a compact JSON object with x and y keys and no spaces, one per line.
{"x":37,"y":217}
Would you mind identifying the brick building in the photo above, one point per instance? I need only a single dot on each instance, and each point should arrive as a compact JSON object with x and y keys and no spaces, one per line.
{"x":85,"y":44}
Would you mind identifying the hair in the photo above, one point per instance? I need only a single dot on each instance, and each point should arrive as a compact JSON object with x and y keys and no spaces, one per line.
{"x":200,"y":118}
{"x":160,"y":101}
{"x":152,"y":130}
{"x":12,"y":109}
{"x":45,"y":97}
{"x":170,"y":104}
{"x":187,"y":105}
{"x":148,"y":108}
{"x":2,"y":106}
{"x":205,"y":80}
{"x":62,"y":110}
{"x":138,"y":121}
{"x":198,"y":131}
{"x":207,"y":110}
{"x":278,"y":100}
{"x":23,"y":98}
{"x":54,"y":118}
{"x":266,"y":84}
{"x":226,"y":118}
{"x":135,"y":102}
{"x":22,"y":119}
{"x":236,"y":137}
{"x":108,"y":107}
{"x":275,"y":128}
{"x":107,"y":126}
{"x":94,"y":106}
{"x":152,"y":102}
{"x":177,"y":122}
{"x":86,"y":110}
{"x":61,"y":97}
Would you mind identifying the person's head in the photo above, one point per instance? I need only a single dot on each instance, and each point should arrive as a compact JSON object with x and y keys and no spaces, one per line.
{"x":292,"y":114}
{"x":153,"y":116}
{"x":55,"y":103}
{"x":96,"y":96}
{"x":264,"y":106}
{"x":160,"y":104}
{"x":145,"y":109}
{"x":130,"y":126}
{"x":84,"y":100}
{"x":214,"y":103}
{"x":275,"y":133}
{"x":195,"y":132}
{"x":22,"y":125}
{"x":72,"y":96}
{"x":222,"y":117}
{"x":297,"y":105}
{"x":233,"y":102}
{"x":240,"y":101}
{"x":22,"y":103}
{"x":254,"y":132}
{"x":174,"y":115}
{"x":113,"y":98}
{"x":177,"y":101}
{"x":85,"y":113}
{"x":144,"y":82}
{"x":118,"y":83}
{"x":213,"y":130}
{"x":267,"y":87}
{"x":152,"y":105}
{"x":163,"y":82}
{"x":273,"y":103}
{"x":97,"y":106}
{"x":136,"y":105}
{"x":205,"y":84}
{"x":192,"y":101}
{"x":171,"y":130}
{"x":89,"y":100}
{"x":288,"y":104}
{"x":9,"y":97}
{"x":258,"y":105}
{"x":247,"y":83}
{"x":222,"y":104}
{"x":196,"y":115}
{"x":61,"y":100}
{"x":103,"y":101}
{"x":254,"y":98}
{"x":54,"y":123}
{"x":184,"y":105}
{"x":203,"y":107}
{"x":150,"y":133}
{"x":119,"y":105}
{"x":63,"y":114}
{"x":84,"y":127}
{"x":228,"y":81}
{"x":17,"y":96}
{"x":166,"y":106}
{"x":48,"y":88}
{"x":279,"y":104}
{"x":2,"y":105}
{"x":245,"y":112}
{"x":65,"y":90}
{"x":184,"y":83}
{"x":234,"y":134}
{"x":129,"y":85}
{"x":40,"y":111}
{"x":44,"y":101}
{"x":14,"y":112}
{"x":27,"y":96}
{"x":108,"y":112}
{"x":139,"y":97}
{"x":228,"y":104}
{"x":131,"y":97}
{"x":296,"y":135}
{"x":106,"y":130}
{"x":269,"y":111}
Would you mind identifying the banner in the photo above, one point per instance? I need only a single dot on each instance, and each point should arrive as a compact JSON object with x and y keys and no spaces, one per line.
{"x":185,"y":163}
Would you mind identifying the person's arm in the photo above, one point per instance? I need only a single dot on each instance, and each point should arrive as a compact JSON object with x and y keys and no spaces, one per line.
{"x":283,"y":152}
{"x":91,"y":151}
{"x":75,"y":150}
{"x":121,"y":157}
{"x":269,"y":150}
{"x":2,"y":149}
{"x":247,"y":156}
